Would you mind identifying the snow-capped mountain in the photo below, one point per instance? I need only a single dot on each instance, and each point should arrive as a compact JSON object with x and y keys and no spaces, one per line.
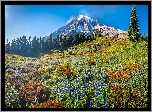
{"x":86,"y":25}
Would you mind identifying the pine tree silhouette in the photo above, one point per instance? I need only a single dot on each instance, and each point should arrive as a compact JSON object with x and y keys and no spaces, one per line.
{"x":133,"y":31}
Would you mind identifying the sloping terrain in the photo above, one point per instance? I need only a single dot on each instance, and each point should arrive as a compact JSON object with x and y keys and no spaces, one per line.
{"x":103,"y":73}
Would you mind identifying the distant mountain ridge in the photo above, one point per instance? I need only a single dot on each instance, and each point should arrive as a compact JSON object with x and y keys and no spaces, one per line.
{"x":86,"y":25}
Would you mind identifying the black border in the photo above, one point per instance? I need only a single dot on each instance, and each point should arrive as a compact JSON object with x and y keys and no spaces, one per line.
{"x":3,"y":3}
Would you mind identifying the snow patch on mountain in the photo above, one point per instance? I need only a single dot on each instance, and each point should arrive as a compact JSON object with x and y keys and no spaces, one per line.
{"x":85,"y":24}
{"x":80,"y":17}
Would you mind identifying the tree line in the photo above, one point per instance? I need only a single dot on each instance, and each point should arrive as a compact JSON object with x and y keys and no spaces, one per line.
{"x":27,"y":47}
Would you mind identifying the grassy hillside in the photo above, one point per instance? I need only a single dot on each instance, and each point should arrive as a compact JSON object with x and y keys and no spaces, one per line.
{"x":103,"y":73}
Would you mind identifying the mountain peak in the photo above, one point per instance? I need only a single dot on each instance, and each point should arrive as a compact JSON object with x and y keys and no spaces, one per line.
{"x":80,"y":17}
{"x":84,"y":24}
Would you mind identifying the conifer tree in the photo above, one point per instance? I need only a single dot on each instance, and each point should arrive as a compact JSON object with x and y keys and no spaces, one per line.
{"x":8,"y":47}
{"x":133,"y":31}
{"x":70,"y":40}
{"x":42,"y":45}
{"x":64,"y":41}
{"x":77,"y":38}
{"x":50,"y":41}
{"x":97,"y":33}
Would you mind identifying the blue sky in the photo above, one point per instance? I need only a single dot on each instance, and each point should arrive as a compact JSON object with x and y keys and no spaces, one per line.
{"x":41,"y":20}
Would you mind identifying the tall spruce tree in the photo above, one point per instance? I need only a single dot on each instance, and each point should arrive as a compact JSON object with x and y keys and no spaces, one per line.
{"x":133,"y":31}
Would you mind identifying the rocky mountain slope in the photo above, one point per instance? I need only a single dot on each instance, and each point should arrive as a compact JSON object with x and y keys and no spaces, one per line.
{"x":86,"y":25}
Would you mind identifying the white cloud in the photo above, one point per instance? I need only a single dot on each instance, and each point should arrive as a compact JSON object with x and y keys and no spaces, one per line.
{"x":70,"y":19}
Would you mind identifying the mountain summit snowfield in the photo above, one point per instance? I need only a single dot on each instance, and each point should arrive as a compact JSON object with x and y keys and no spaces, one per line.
{"x":86,"y":25}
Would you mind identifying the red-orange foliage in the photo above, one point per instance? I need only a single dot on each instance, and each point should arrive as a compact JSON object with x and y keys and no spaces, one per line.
{"x":108,"y":53}
{"x":117,"y":75}
{"x":102,"y":50}
{"x":132,"y":66}
{"x":68,"y":73}
{"x":49,"y":104}
{"x":31,"y":92}
{"x":145,"y":49}
{"x":91,"y":62}
{"x":90,"y":54}
{"x":120,"y":94}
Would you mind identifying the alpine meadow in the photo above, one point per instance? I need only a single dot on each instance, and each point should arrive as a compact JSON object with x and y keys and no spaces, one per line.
{"x":83,"y":64}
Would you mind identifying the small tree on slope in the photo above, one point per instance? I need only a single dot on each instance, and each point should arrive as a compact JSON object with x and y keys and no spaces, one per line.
{"x":133,"y":31}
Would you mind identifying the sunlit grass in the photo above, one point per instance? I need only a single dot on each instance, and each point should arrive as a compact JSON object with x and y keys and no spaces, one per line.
{"x":103,"y":73}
